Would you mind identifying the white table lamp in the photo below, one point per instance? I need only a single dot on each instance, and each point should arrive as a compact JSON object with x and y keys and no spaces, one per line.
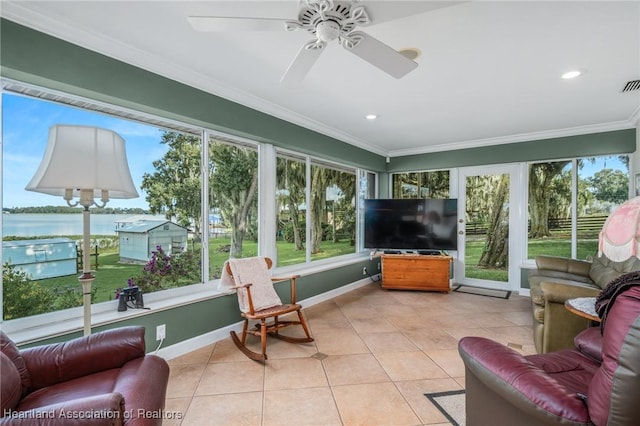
{"x":85,"y":163}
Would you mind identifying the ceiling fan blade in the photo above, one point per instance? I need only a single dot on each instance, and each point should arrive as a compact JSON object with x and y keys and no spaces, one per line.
{"x":379,"y":54}
{"x":228,"y":23}
{"x":303,"y":62}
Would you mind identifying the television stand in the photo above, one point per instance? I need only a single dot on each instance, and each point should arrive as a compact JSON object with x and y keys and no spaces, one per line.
{"x":416,"y":272}
{"x":430,"y":252}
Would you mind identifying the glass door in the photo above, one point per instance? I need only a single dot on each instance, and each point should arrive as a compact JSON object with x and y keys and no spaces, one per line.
{"x":486,"y":253}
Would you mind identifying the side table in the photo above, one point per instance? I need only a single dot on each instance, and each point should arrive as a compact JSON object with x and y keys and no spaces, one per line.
{"x":584,"y":307}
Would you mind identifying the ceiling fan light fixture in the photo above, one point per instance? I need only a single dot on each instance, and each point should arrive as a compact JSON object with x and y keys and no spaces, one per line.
{"x":328,"y":30}
{"x":371,"y":117}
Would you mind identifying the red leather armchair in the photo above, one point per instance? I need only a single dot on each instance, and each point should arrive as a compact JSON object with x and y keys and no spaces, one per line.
{"x":596,"y":383}
{"x":102,"y":379}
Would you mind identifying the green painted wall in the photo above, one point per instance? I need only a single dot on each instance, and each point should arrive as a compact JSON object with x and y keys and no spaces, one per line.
{"x":594,"y":144}
{"x":192,"y":320}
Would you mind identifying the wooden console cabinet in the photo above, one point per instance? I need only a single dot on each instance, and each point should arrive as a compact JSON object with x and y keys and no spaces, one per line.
{"x":416,"y":272}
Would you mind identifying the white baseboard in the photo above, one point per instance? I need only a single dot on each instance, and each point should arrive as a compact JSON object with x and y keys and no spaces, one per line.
{"x":211,"y":337}
{"x":525,"y":292}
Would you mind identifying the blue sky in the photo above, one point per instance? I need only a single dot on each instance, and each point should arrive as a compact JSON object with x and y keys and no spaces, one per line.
{"x":25,"y":130}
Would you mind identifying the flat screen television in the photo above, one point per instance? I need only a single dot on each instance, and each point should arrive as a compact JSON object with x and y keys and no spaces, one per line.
{"x":428,"y":225}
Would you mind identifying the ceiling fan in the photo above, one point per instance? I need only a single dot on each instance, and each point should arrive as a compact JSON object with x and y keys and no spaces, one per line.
{"x":327,"y":20}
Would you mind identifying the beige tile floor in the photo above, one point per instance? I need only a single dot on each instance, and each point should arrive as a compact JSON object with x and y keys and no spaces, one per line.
{"x":376,"y":353}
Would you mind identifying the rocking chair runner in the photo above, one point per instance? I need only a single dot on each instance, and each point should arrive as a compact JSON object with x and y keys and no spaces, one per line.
{"x":259,"y":301}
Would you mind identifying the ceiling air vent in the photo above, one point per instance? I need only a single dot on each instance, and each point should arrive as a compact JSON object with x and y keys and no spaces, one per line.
{"x":631,"y":85}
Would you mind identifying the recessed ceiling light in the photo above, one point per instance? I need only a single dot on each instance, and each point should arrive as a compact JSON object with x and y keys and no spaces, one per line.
{"x":371,"y":116}
{"x":571,"y":74}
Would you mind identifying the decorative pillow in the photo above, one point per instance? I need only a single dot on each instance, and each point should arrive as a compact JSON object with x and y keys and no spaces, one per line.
{"x":10,"y":387}
{"x":604,"y":270}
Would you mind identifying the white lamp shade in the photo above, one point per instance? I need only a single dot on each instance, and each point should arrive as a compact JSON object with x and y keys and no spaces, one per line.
{"x":82,"y":157}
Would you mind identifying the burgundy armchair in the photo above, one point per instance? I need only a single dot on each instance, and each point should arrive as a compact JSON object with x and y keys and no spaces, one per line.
{"x":596,"y":383}
{"x":101,"y":379}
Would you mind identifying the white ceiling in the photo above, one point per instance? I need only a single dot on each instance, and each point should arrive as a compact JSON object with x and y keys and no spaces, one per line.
{"x":489,"y":72}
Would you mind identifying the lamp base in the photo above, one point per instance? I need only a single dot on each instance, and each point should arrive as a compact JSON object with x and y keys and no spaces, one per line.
{"x":86,"y":279}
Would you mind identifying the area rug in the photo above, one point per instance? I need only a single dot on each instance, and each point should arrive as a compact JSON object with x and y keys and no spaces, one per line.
{"x":482,"y":291}
{"x":451,"y":404}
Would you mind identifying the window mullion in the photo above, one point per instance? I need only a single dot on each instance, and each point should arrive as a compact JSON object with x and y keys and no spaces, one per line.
{"x":308,"y":219}
{"x":574,"y":208}
{"x":204,"y":202}
{"x":267,"y":201}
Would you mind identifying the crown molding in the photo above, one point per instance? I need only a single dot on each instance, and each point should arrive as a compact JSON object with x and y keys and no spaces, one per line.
{"x":524,"y":137}
{"x":635,"y":118}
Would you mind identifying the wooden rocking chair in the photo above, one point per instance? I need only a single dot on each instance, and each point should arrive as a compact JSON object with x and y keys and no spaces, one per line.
{"x":259,"y":301}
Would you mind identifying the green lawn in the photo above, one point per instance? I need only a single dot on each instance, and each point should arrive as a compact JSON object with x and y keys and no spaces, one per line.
{"x":547,"y":246}
{"x":111,"y":274}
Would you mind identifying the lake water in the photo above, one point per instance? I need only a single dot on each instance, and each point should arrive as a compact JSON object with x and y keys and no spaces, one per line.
{"x":33,"y":224}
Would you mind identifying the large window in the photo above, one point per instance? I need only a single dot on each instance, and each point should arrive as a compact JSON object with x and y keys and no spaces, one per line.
{"x":332,"y":211}
{"x":550,"y":212}
{"x":233,"y":203}
{"x":207,"y":213}
{"x":316,"y":209}
{"x":291,"y":202}
{"x":150,"y":242}
{"x":569,"y":200}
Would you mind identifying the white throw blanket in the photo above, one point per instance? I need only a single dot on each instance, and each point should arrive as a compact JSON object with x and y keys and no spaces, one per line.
{"x":250,"y":270}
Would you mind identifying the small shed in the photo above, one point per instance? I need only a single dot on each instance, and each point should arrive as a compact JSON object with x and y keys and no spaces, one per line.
{"x":42,"y":258}
{"x":139,"y":239}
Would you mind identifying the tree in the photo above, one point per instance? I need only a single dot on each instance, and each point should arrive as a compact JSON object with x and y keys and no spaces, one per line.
{"x":345,"y":206}
{"x":317,"y":204}
{"x":421,"y":184}
{"x":329,"y":188}
{"x":21,"y":296}
{"x":234,"y":185}
{"x":174,"y":188}
{"x":291,"y":184}
{"x":550,"y":191}
{"x":323,"y":178}
{"x":541,"y":178}
{"x":495,"y":253}
{"x":610,"y":186}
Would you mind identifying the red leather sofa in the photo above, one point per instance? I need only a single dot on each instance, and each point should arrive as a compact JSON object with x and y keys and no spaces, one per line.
{"x":596,"y":383}
{"x":101,"y":379}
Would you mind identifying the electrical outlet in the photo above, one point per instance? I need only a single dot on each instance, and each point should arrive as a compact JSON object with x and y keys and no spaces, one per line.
{"x":161,"y":332}
{"x":364,"y":271}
